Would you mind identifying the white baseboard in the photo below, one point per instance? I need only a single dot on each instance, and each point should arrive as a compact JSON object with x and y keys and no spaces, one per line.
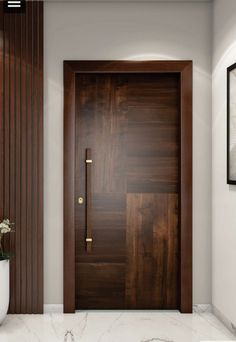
{"x":224,"y":320}
{"x":201,"y":308}
{"x":53,"y":308}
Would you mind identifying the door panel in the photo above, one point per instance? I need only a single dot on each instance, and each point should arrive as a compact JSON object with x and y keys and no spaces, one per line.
{"x":109,"y":230}
{"x":101,"y":285}
{"x":131,"y":124}
{"x":152,"y":251}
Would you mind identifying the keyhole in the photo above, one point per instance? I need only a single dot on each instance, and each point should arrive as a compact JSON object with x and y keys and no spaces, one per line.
{"x":80,"y":200}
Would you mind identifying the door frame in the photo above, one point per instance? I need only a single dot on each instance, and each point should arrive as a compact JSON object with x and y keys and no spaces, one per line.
{"x":184,"y":68}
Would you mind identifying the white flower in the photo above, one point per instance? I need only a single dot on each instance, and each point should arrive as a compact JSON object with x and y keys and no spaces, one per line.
{"x":7,"y":222}
{"x":5,"y":227}
{"x":5,"y":230}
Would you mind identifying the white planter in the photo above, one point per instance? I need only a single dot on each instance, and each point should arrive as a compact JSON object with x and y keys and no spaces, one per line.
{"x":4,"y":288}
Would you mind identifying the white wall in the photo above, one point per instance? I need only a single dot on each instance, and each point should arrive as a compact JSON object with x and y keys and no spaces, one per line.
{"x":127,"y":31}
{"x":223,"y":195}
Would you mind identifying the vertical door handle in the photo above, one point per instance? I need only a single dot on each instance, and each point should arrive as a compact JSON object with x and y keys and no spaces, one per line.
{"x":88,"y":190}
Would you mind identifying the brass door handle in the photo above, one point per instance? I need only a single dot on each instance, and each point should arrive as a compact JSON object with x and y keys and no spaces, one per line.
{"x":88,"y":192}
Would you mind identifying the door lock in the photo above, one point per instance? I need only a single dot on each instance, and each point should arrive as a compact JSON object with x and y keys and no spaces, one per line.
{"x":80,"y":200}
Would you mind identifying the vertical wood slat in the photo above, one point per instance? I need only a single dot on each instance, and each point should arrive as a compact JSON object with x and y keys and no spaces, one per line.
{"x":1,"y":111}
{"x":23,"y":180}
{"x":21,"y":151}
{"x":35,"y":150}
{"x":17,"y":154}
{"x":40,"y":156}
{"x":9,"y":131}
{"x":29,"y":223}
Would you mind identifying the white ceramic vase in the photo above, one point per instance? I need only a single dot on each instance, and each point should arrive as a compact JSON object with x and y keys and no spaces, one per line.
{"x":4,"y":288}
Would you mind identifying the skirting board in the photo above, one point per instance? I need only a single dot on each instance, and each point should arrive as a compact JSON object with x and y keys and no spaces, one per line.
{"x":224,"y":320}
{"x":201,"y":308}
{"x":53,"y":308}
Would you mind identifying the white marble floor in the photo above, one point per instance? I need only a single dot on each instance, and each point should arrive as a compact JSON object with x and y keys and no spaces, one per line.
{"x":115,"y":326}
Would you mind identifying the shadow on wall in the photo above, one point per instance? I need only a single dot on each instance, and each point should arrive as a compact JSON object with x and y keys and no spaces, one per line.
{"x":232,"y":188}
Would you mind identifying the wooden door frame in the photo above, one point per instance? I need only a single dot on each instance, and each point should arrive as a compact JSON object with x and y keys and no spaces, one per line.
{"x":184,"y":69}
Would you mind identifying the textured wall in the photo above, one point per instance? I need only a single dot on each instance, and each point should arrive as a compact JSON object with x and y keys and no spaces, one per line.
{"x":21,"y":151}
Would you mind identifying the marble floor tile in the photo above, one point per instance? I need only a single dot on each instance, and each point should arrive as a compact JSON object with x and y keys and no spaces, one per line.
{"x":115,"y":326}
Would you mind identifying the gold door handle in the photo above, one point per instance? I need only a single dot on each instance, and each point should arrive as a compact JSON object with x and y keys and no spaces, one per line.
{"x":88,"y":191}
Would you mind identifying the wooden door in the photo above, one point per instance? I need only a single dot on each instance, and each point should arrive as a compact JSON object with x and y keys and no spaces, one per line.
{"x":131,"y":125}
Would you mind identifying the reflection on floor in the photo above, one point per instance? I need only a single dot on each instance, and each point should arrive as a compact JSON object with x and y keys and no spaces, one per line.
{"x":115,"y":326}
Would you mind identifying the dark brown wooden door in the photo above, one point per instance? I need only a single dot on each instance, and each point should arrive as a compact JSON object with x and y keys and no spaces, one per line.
{"x":130,"y":123}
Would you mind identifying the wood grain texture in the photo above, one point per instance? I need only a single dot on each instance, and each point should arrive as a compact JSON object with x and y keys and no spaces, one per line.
{"x":69,"y":191}
{"x":2,"y":82}
{"x":152,"y":251}
{"x":108,"y":210}
{"x":73,"y":172}
{"x":99,"y":129}
{"x":131,"y":154}
{"x":23,"y":176}
{"x":107,"y":279}
{"x":21,"y":149}
{"x":186,"y":190}
{"x":153,"y":103}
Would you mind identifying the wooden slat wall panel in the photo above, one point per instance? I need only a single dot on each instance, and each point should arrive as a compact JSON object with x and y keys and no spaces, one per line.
{"x":23,"y":165}
{"x":1,"y":116}
{"x":21,"y":151}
